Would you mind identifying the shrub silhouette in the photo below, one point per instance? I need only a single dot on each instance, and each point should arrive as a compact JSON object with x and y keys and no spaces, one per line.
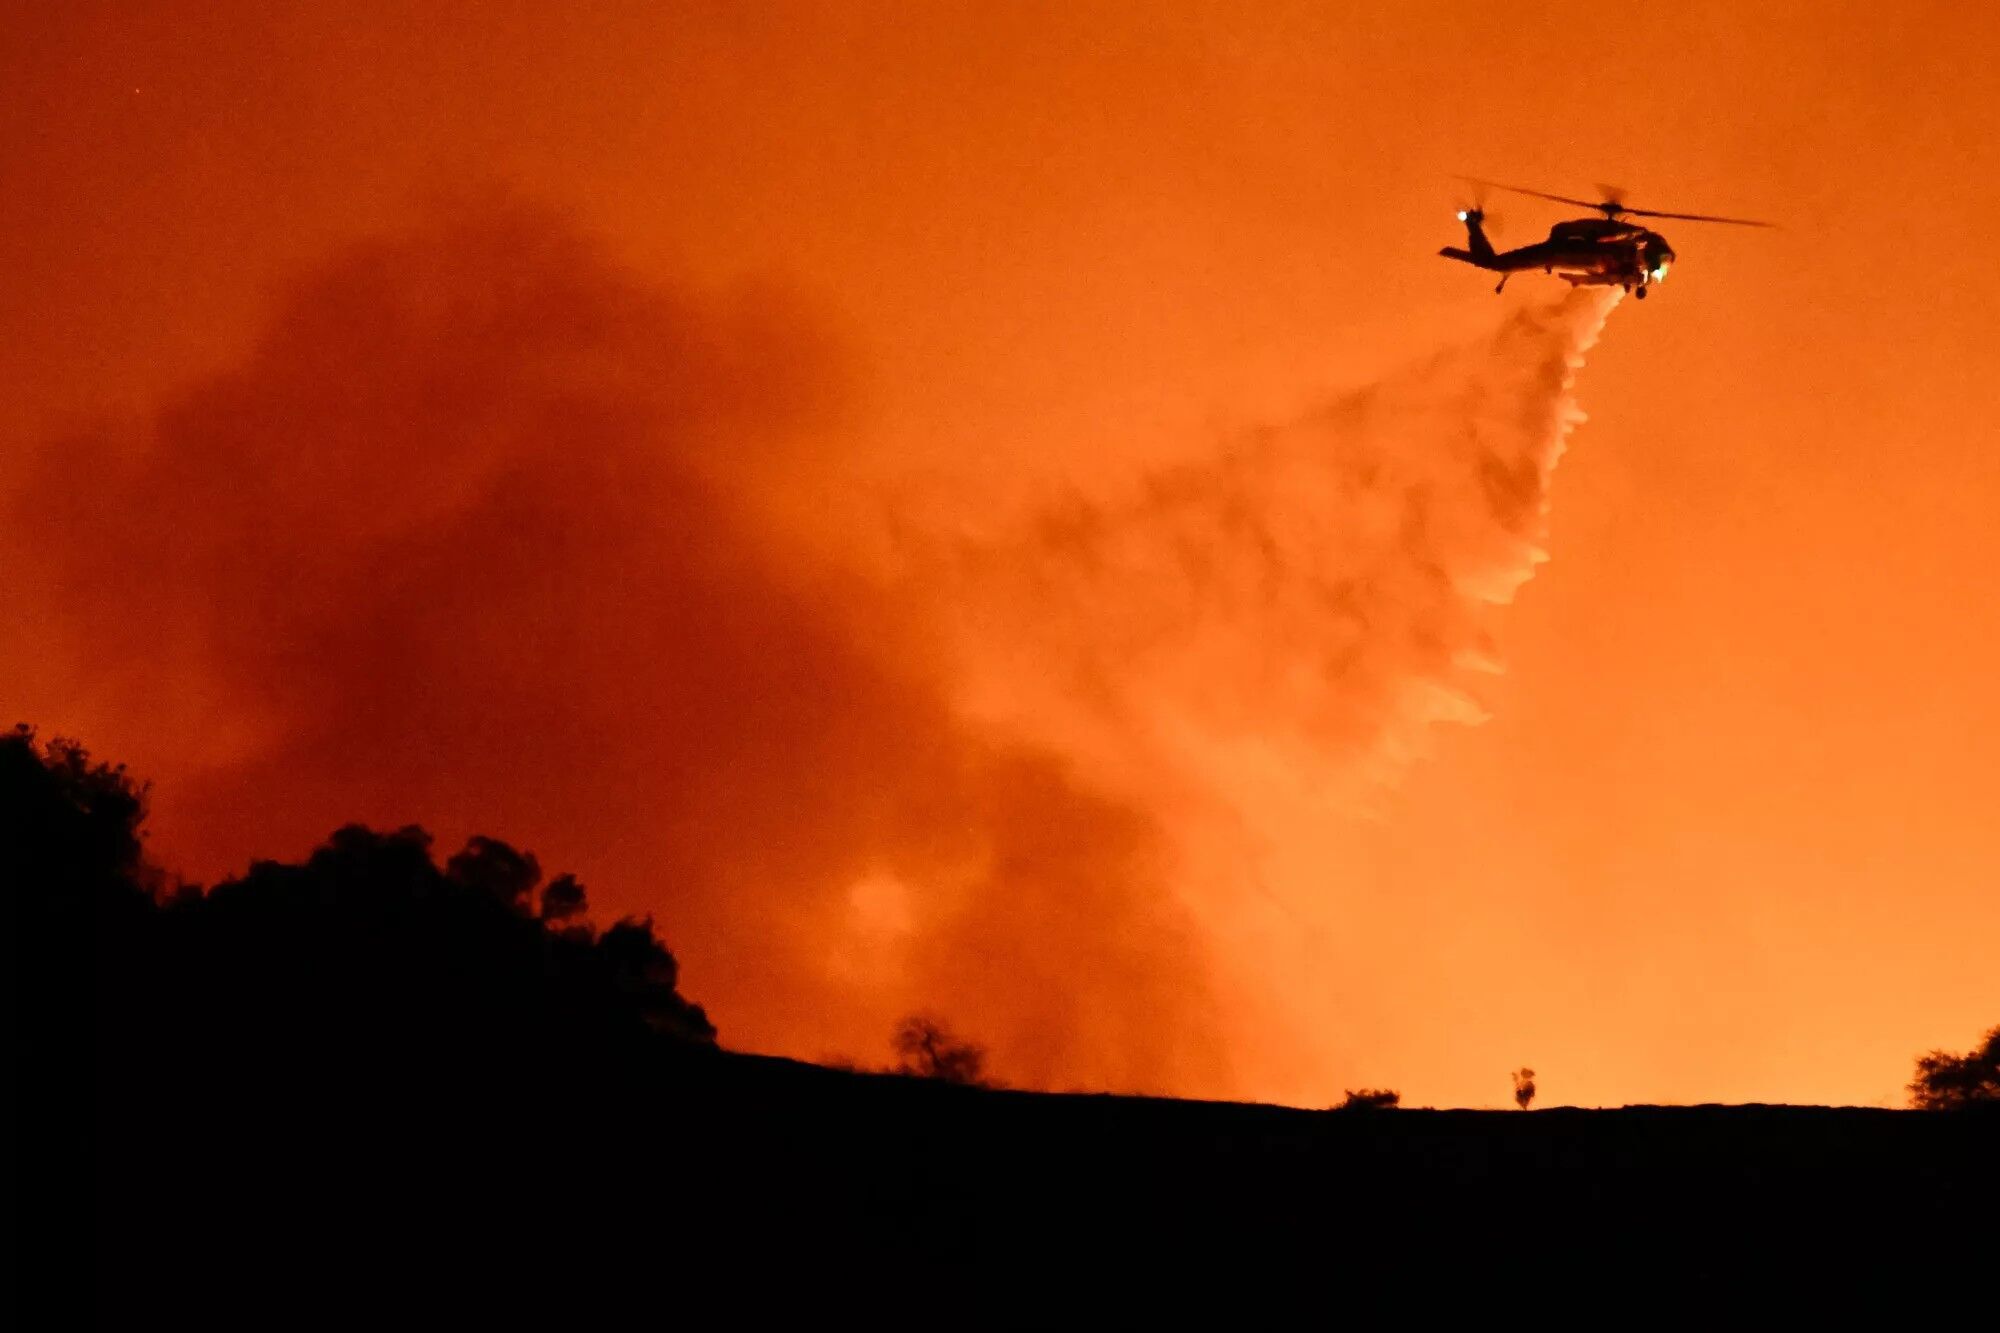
{"x":1947,"y":1082}
{"x":926,"y":1048}
{"x":1524,"y":1087}
{"x":647,"y":977}
{"x":1370,"y":1099}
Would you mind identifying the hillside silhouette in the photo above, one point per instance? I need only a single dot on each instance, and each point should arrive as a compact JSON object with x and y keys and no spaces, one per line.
{"x":370,"y":1087}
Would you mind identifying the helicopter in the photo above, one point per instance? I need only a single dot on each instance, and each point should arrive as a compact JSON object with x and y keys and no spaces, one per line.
{"x":1606,"y":251}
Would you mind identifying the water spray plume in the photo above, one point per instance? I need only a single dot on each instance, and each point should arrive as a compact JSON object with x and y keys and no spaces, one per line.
{"x":1316,"y":592}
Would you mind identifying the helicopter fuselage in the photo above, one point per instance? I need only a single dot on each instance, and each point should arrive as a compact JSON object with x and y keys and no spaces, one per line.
{"x":1584,"y":252}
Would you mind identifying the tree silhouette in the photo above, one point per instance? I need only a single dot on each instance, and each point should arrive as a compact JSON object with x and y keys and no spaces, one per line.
{"x":495,"y":868}
{"x":67,"y":825}
{"x":563,"y":901}
{"x":926,"y":1048}
{"x":366,"y":952}
{"x":1371,"y":1099}
{"x":1524,"y":1087}
{"x":72,"y":871}
{"x":1947,"y":1082}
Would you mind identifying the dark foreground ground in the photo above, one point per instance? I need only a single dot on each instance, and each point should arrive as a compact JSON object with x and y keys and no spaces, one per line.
{"x":715,"y":1184}
{"x":373,"y":1090}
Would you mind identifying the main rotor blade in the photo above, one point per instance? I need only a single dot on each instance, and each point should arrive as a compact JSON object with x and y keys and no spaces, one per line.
{"x":1613,"y":205}
{"x":1695,"y":217}
{"x":1537,"y":194}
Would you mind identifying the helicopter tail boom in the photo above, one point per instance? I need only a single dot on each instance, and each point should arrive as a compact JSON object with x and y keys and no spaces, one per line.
{"x":1467,"y":257}
{"x":1478,"y":249}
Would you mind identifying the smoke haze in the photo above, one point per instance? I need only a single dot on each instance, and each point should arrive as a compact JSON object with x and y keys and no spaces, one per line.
{"x":491,"y":535}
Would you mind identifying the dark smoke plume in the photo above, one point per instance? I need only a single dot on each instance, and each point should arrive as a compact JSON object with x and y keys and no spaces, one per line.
{"x":474,"y":539}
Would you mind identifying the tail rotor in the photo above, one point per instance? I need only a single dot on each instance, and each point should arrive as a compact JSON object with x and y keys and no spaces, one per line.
{"x":1472,"y":211}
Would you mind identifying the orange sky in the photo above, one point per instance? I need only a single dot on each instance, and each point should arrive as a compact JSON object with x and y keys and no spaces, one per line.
{"x":1727,"y":833}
